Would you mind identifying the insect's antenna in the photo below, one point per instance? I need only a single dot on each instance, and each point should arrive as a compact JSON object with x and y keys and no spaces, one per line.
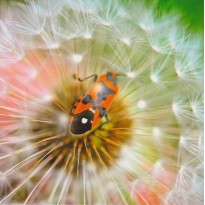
{"x":95,"y":76}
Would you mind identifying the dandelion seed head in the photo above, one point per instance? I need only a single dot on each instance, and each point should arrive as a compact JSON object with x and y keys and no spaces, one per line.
{"x":150,"y":149}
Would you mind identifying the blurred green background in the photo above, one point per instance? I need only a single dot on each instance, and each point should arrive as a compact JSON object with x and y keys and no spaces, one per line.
{"x":192,"y":11}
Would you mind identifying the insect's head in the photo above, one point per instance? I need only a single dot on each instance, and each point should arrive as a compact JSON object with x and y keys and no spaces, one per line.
{"x":82,"y":122}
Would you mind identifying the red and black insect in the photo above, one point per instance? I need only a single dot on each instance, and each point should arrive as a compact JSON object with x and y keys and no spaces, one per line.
{"x":94,"y":104}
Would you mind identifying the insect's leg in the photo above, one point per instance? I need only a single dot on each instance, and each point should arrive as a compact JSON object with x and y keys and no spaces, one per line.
{"x":91,"y":76}
{"x":103,"y":113}
{"x":107,"y":118}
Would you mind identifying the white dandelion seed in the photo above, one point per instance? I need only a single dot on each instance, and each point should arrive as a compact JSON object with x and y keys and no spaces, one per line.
{"x":29,"y":20}
{"x":10,"y":48}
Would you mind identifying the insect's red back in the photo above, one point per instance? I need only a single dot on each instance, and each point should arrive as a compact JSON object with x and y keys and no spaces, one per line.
{"x":91,"y":107}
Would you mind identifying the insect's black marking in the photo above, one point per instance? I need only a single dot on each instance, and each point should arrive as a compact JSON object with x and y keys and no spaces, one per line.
{"x":94,"y":108}
{"x":74,"y":107}
{"x":104,"y":92}
{"x":77,"y":127}
{"x":87,"y":99}
{"x":111,"y":78}
{"x":103,"y":111}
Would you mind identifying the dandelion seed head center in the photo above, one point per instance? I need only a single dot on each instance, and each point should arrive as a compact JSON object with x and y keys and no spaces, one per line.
{"x":131,"y":75}
{"x":87,"y":36}
{"x":63,"y":118}
{"x":182,"y":140}
{"x":175,"y":107}
{"x":154,"y":78}
{"x":179,"y":72}
{"x":141,"y":104}
{"x":104,"y":141}
{"x":156,"y":132}
{"x":126,"y":41}
{"x":194,"y":108}
{"x":156,"y":48}
{"x":47,"y":97}
{"x":77,"y":58}
{"x":158,"y":167}
{"x":33,"y":73}
{"x":106,"y":23}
